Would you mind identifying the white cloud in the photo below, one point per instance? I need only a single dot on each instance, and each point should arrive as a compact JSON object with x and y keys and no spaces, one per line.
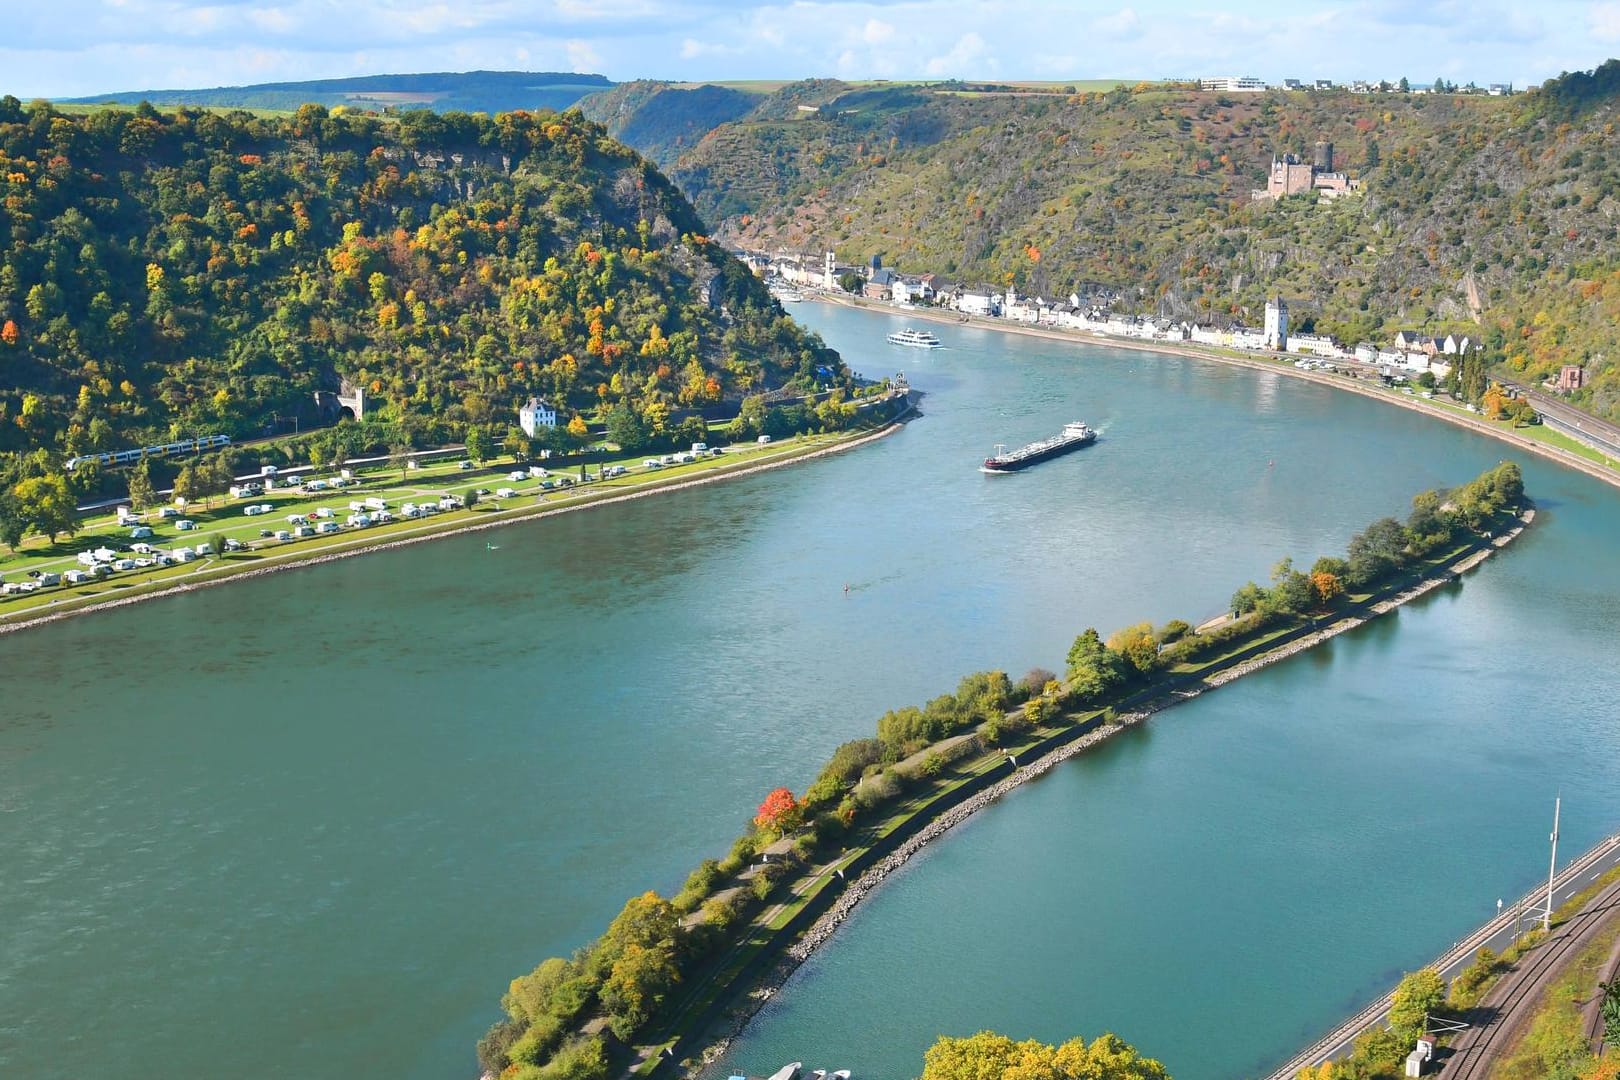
{"x":1603,"y":21}
{"x":966,"y":58}
{"x":583,"y":56}
{"x":876,"y":32}
{"x":1123,"y":25}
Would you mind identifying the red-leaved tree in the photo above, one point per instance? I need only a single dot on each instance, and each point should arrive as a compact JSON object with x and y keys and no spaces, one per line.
{"x":779,"y":812}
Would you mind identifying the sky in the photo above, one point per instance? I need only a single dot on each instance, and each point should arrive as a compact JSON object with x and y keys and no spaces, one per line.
{"x":65,"y":48}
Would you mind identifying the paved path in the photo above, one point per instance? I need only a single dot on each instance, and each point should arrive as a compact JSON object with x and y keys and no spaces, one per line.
{"x":1508,"y":1008}
{"x":1496,"y":935}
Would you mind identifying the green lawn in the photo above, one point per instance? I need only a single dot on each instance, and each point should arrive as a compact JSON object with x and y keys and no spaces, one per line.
{"x":225,"y":519}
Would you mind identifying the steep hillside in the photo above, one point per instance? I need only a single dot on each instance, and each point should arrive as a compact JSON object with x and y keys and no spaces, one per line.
{"x":662,"y":119}
{"x":442,"y":91}
{"x":1490,"y":215}
{"x":195,"y":273}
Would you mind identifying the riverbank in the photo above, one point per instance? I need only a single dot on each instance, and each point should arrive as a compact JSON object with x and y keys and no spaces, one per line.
{"x":216,"y":571}
{"x":1451,"y":415}
{"x":936,"y":817}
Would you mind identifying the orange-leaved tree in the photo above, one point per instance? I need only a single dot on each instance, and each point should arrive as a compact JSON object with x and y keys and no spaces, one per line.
{"x":779,"y":812}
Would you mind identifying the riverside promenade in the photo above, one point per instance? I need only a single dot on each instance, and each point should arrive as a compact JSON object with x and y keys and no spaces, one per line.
{"x":1497,"y":934}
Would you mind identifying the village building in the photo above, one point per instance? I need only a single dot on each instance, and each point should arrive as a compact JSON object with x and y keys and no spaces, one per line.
{"x":536,"y":414}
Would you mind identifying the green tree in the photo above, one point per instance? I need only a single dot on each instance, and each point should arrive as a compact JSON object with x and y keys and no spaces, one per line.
{"x":1420,"y":993}
{"x":625,"y":428}
{"x":12,"y":523}
{"x":1377,"y":551}
{"x":1249,"y":598}
{"x":635,"y":989}
{"x":142,"y":495}
{"x":399,"y":456}
{"x":478,"y":444}
{"x":46,"y":504}
{"x":1094,"y":670}
{"x":518,"y":445}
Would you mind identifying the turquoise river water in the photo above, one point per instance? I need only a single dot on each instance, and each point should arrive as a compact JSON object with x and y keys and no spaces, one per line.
{"x":310,"y":825}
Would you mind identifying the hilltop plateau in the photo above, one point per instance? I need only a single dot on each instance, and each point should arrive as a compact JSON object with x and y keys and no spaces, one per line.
{"x":441,"y":91}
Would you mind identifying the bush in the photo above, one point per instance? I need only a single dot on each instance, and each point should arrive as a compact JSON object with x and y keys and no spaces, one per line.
{"x":1034,"y":681}
{"x":494,"y":1046}
{"x":1173,"y":631}
{"x":582,"y":1059}
{"x":878,"y":789}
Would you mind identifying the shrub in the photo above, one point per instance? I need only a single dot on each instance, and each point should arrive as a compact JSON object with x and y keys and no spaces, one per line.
{"x":582,"y":1059}
{"x":878,"y":789}
{"x":494,"y":1046}
{"x":1034,"y":681}
{"x":1173,"y":631}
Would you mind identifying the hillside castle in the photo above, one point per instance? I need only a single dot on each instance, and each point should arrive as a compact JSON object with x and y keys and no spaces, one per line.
{"x":1291,"y":176}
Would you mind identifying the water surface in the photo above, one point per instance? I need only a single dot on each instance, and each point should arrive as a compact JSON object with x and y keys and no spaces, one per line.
{"x":311,"y":824}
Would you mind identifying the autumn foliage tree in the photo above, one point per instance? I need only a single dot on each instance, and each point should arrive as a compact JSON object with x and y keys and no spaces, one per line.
{"x":990,"y":1056}
{"x":779,"y":813}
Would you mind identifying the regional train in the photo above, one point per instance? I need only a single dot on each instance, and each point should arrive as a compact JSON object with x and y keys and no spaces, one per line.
{"x":124,"y":457}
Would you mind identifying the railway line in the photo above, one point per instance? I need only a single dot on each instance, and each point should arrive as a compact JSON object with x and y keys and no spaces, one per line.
{"x":1497,"y":934}
{"x":1496,"y":1022}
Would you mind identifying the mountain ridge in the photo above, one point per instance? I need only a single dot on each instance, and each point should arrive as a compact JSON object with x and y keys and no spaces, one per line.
{"x":443,"y":91}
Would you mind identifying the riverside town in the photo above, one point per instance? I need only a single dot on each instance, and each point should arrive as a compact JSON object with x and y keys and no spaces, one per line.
{"x":809,"y":542}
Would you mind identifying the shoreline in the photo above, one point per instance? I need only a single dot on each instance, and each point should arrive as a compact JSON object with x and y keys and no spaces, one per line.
{"x":224,"y":574}
{"x":1478,"y":425}
{"x":716,"y":1040}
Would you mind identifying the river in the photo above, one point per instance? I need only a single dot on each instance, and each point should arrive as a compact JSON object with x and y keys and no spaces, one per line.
{"x":311,"y":824}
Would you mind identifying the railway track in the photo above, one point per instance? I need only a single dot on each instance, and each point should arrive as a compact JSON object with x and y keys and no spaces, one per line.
{"x":1496,"y":933}
{"x":1508,"y":1006}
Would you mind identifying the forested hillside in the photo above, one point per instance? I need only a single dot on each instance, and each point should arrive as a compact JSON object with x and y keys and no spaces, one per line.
{"x":1494,"y":216}
{"x":663,"y":120}
{"x":186,"y":273}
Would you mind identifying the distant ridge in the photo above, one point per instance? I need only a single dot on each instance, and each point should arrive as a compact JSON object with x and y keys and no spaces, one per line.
{"x":441,"y":91}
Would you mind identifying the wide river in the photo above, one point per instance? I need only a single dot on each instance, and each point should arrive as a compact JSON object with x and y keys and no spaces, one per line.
{"x":310,"y":825}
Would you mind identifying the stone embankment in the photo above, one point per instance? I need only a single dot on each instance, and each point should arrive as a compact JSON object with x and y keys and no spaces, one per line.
{"x":823,"y":929}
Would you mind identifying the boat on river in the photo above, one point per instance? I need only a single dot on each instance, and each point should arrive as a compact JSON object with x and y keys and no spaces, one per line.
{"x":1073,"y":436}
{"x":916,"y":339}
{"x":790,"y":1071}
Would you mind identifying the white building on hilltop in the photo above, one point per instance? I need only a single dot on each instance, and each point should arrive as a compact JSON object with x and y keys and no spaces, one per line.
{"x":1246,"y":84}
{"x":536,"y":415}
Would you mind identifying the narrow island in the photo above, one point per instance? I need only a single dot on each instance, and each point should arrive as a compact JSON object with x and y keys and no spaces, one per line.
{"x":671,"y":979}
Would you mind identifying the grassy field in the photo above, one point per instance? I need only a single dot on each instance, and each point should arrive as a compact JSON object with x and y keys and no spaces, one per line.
{"x":225,"y":519}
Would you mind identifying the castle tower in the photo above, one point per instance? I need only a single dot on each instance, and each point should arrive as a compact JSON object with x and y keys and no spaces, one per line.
{"x":1277,"y":324}
{"x":829,"y":279}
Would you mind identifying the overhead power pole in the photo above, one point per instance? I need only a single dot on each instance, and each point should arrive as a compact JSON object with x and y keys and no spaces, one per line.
{"x":1546,"y":920}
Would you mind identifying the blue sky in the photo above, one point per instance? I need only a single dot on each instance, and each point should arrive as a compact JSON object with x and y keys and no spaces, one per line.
{"x":77,"y":47}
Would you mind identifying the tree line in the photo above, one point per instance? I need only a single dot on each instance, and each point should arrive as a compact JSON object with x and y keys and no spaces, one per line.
{"x":656,"y":945}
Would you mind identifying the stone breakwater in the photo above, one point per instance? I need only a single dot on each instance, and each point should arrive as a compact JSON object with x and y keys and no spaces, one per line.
{"x":822,"y":930}
{"x":222,"y":575}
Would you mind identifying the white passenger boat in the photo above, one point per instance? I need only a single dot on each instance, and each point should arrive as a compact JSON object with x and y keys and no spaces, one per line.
{"x":790,"y":1071}
{"x":916,"y":339}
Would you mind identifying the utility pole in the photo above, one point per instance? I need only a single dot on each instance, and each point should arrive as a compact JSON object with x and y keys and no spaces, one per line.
{"x":1546,"y":920}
